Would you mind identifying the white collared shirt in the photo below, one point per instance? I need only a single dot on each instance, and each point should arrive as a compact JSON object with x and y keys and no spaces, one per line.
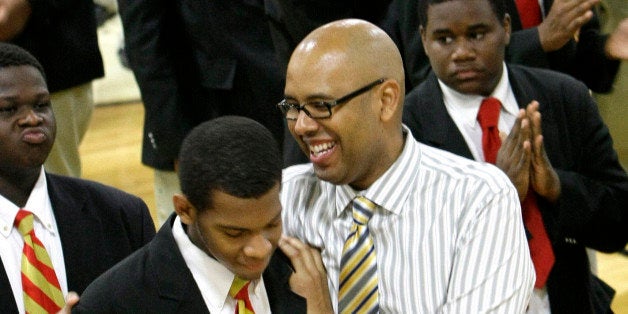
{"x":12,"y":243}
{"x":213,"y":279}
{"x":448,"y":232}
{"x":463,"y":109}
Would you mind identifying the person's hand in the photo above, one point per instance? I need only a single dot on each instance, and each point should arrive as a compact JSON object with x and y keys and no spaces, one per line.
{"x":563,"y":22}
{"x":513,"y":157}
{"x":310,"y":277}
{"x":70,"y":301}
{"x":13,"y":17}
{"x":617,"y":43}
{"x":543,"y":178}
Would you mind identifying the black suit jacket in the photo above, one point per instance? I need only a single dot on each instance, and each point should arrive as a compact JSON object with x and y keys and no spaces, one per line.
{"x":62,"y":35}
{"x":198,"y":60}
{"x":591,"y":211}
{"x":585,"y":60}
{"x":156,"y":279}
{"x":98,"y":225}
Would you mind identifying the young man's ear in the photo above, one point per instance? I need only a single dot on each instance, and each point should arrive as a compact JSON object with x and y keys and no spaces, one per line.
{"x":184,"y":209}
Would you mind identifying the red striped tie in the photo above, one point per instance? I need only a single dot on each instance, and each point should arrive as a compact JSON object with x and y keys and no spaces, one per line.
{"x":540,"y":246}
{"x":240,"y":292}
{"x":42,"y":292}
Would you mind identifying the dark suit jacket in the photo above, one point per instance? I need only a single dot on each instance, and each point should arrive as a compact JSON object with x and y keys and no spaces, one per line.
{"x":62,"y":35}
{"x":98,"y":225}
{"x":156,"y":279}
{"x":197,"y":60}
{"x":584,"y":60}
{"x":591,"y":211}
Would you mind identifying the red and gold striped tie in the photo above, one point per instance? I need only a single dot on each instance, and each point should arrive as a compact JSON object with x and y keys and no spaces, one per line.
{"x":42,"y":292}
{"x":240,"y":292}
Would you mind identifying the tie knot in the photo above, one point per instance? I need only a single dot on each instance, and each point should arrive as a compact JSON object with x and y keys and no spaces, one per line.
{"x":239,"y":288}
{"x":362,"y":210}
{"x":488,"y":116}
{"x":24,"y":222}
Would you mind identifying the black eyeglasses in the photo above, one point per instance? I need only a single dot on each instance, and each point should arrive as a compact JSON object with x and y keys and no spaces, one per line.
{"x":320,"y":109}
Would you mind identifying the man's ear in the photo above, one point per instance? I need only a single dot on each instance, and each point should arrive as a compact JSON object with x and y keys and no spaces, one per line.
{"x":184,"y":209}
{"x":507,"y":27}
{"x":389,"y":97}
{"x":422,"y":33}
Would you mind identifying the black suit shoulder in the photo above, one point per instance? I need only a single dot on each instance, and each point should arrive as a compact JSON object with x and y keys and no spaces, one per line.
{"x":98,"y":226}
{"x":156,"y":279}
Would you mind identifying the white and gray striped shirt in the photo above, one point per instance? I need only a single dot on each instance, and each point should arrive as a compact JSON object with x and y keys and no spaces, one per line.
{"x":448,"y":232}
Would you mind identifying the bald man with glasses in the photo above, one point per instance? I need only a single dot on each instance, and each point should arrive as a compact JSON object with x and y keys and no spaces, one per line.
{"x":402,"y":227}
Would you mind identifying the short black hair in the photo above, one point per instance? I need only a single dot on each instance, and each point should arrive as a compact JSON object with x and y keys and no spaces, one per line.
{"x":498,"y":7}
{"x":12,"y":55}
{"x":230,"y":154}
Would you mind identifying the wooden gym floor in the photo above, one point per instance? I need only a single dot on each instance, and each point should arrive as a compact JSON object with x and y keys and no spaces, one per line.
{"x":111,"y":155}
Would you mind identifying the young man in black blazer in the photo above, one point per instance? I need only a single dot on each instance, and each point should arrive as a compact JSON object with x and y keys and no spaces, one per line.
{"x":569,"y":163}
{"x":227,"y":225}
{"x":86,"y":227}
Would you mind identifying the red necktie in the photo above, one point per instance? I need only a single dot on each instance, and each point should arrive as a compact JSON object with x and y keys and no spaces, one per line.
{"x":529,"y":13}
{"x":539,"y":243}
{"x":488,"y":116}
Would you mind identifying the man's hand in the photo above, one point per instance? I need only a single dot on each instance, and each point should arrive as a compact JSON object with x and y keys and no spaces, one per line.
{"x":70,"y":301}
{"x":563,"y":22}
{"x":310,"y":277}
{"x":543,"y":177}
{"x":617,"y":43}
{"x":13,"y":17}
{"x":515,"y":153}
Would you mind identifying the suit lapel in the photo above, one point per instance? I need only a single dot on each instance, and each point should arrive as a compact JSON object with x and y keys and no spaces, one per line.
{"x":176,"y":285}
{"x":79,"y":230}
{"x":439,"y":128}
{"x":276,"y":280}
{"x":7,"y":301}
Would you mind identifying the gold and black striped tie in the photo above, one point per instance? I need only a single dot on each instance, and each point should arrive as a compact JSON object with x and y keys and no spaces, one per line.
{"x":358,"y":267}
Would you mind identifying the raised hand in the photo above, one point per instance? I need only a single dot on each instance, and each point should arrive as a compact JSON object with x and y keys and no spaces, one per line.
{"x":543,"y":177}
{"x":515,"y":153}
{"x":563,"y":22}
{"x":617,"y":43}
{"x":310,"y":277}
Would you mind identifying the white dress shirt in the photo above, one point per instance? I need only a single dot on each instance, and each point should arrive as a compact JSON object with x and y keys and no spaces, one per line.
{"x":463,"y":109}
{"x":213,"y":279}
{"x":12,"y":243}
{"x":447,"y":231}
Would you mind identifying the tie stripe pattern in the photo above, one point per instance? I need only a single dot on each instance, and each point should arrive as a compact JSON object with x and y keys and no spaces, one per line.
{"x":42,"y":292}
{"x":240,"y":292}
{"x":358,"y":274}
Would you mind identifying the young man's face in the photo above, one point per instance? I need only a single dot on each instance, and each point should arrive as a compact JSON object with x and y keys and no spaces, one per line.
{"x":27,"y":125}
{"x":240,"y":233}
{"x":466,"y":44}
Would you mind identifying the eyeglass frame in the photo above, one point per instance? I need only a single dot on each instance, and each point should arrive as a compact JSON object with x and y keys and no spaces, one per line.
{"x":284,"y":106}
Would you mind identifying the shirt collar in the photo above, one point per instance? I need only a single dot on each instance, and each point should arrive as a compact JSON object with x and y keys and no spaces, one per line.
{"x":388,"y":191}
{"x":216,"y":276}
{"x":38,"y":203}
{"x":467,"y":106}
